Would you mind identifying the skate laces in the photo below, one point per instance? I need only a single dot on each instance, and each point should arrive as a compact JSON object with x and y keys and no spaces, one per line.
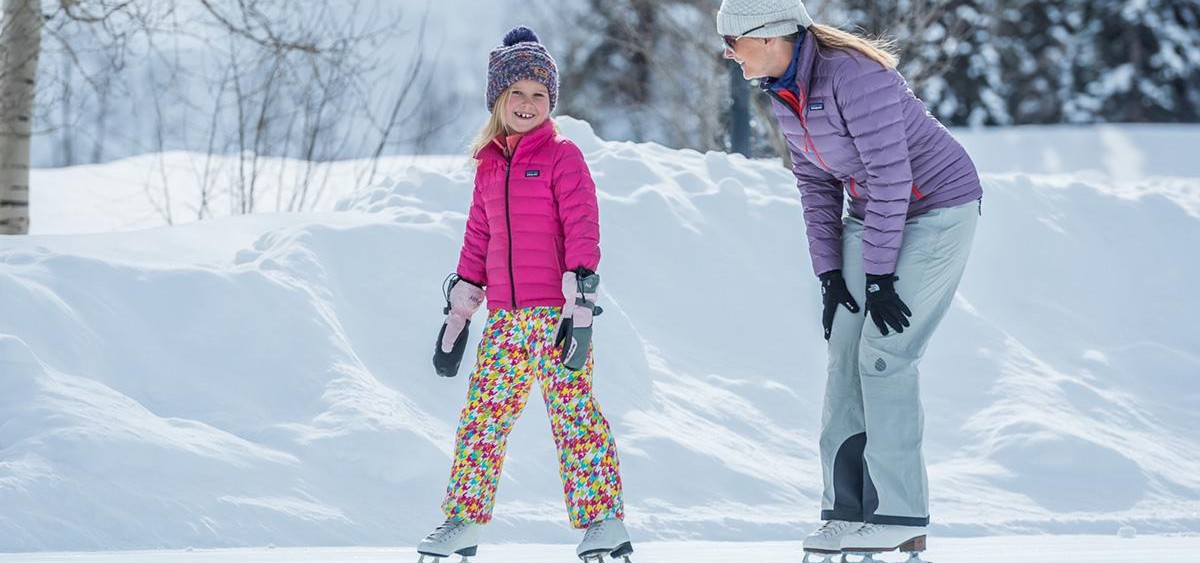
{"x":447,"y":530}
{"x":867,"y":529}
{"x":594,"y":531}
{"x":833,"y":528}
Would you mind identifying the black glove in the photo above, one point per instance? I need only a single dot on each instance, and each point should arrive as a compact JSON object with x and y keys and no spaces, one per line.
{"x":834,"y":293}
{"x":884,"y":306}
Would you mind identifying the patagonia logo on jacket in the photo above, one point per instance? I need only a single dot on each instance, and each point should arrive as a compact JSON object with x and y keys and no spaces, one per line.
{"x":816,"y":106}
{"x":533,"y":173}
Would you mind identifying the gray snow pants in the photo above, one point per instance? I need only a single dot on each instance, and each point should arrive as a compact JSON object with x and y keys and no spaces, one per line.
{"x":872,"y":424}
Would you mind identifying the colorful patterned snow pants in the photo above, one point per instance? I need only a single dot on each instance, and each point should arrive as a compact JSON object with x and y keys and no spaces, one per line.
{"x":517,"y":348}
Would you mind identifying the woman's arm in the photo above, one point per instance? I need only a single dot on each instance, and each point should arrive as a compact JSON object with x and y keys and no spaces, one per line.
{"x":869,"y":97}
{"x":823,"y":200}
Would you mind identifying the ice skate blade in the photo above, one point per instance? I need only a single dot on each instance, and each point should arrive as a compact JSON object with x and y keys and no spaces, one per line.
{"x":597,"y":555}
{"x":870,"y":558}
{"x":915,"y":545}
{"x":819,"y":556}
{"x":437,"y":557}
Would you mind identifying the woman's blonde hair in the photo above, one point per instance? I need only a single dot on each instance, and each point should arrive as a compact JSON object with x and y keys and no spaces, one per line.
{"x":879,"y":50}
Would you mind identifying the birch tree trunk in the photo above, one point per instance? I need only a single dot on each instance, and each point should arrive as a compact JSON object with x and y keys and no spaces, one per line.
{"x":20,"y":42}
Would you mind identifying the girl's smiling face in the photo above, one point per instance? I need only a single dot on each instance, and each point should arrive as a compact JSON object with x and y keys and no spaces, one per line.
{"x":527,"y":107}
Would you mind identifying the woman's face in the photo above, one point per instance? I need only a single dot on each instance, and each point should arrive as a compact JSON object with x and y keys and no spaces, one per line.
{"x":528,"y":106}
{"x":752,"y":54}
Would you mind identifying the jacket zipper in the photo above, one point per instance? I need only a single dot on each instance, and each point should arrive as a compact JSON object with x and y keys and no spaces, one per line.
{"x":512,"y":278}
{"x":808,"y":142}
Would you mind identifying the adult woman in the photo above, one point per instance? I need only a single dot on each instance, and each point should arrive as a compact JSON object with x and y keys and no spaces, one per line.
{"x":855,"y":129}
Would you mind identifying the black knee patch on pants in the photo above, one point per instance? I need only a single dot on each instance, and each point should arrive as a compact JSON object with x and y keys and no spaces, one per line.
{"x":850,"y":482}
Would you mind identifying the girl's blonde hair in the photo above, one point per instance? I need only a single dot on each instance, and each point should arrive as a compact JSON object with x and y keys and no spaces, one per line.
{"x":879,"y":50}
{"x":495,"y":124}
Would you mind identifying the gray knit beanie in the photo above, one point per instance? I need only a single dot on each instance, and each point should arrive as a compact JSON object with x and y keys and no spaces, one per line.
{"x":777,"y":17}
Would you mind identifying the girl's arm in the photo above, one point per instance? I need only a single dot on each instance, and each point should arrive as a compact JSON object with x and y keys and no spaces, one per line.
{"x":575,"y":195}
{"x":472,"y":261}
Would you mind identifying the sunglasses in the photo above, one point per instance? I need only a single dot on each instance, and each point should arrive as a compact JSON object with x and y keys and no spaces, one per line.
{"x":731,"y":40}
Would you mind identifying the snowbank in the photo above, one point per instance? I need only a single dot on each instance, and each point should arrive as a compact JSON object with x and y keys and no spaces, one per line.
{"x":265,"y":379}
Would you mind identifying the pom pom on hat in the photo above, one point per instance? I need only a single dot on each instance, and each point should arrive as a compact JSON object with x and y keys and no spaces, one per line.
{"x":520,"y":34}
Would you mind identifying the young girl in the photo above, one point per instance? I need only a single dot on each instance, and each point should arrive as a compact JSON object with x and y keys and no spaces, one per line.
{"x":532,"y":240}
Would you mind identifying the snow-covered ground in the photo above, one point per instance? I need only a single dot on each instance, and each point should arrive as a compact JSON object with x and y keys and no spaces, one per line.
{"x":999,"y":549}
{"x":142,"y":192}
{"x":265,"y":379}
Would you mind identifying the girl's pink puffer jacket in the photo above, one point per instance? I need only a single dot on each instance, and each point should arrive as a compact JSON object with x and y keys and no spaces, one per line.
{"x":532,"y":217}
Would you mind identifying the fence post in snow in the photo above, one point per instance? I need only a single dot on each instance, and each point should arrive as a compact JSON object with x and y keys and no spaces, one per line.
{"x":739,"y":118}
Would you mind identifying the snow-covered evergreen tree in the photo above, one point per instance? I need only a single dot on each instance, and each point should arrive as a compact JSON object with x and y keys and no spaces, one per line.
{"x":642,"y":70}
{"x":1035,"y":45}
{"x":948,"y":50}
{"x":1138,"y":60}
{"x":992,"y":62}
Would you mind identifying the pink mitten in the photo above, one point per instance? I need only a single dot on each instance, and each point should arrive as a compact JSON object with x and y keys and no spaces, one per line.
{"x":463,"y":298}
